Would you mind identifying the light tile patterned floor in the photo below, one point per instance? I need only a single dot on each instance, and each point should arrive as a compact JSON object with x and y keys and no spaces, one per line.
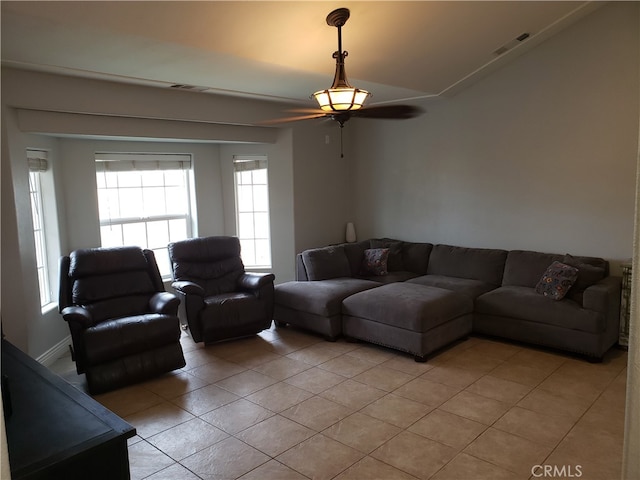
{"x":288,"y":405}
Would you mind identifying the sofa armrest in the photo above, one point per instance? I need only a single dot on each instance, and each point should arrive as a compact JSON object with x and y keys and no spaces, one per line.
{"x":255,"y":281}
{"x":604,"y":297}
{"x":164,"y":302}
{"x":77,"y":315}
{"x":188,"y":288}
{"x":191,"y":297}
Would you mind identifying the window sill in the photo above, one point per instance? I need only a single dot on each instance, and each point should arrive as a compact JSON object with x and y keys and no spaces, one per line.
{"x":49,"y":307}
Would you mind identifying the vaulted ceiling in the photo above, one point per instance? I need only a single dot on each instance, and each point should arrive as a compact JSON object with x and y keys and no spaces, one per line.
{"x":279,"y":50}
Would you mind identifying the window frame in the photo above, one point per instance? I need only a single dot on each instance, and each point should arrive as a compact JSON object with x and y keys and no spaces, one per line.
{"x":117,"y":162}
{"x":244,"y":163}
{"x":43,"y":224}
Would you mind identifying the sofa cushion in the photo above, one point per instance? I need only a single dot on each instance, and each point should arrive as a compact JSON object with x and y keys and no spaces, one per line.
{"x":374,"y":261}
{"x":325,"y":263}
{"x":216,"y":277}
{"x":354,"y":253}
{"x":323,"y":297}
{"x":590,"y":271}
{"x":118,"y":307}
{"x":117,"y":338}
{"x":413,"y":307}
{"x":87,"y":290}
{"x":556,"y":281}
{"x":415,"y":256}
{"x":230,"y":311}
{"x":471,"y":288}
{"x":484,"y":264}
{"x":523,"y":303}
{"x":524,"y":268}
{"x":90,"y":262}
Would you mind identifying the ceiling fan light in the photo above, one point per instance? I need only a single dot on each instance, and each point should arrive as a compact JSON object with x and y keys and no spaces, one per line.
{"x":341,"y":99}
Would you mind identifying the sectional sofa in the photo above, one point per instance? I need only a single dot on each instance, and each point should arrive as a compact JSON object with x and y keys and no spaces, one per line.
{"x":419,"y":297}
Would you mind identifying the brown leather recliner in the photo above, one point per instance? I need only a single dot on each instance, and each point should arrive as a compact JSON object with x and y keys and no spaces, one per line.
{"x":124,"y":325}
{"x":219,"y":299}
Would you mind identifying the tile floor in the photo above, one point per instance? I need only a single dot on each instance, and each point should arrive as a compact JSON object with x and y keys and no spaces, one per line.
{"x":288,"y":405}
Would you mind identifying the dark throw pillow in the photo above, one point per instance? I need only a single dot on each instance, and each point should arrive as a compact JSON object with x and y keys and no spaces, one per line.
{"x":374,"y":261}
{"x":587,"y":274}
{"x":557,"y":280}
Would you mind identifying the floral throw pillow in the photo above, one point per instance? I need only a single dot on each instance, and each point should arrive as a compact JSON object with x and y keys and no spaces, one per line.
{"x":394,"y":262}
{"x":374,"y":261}
{"x":557,"y":280}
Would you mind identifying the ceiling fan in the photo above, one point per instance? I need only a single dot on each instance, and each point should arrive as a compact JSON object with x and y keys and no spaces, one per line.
{"x":341,"y":101}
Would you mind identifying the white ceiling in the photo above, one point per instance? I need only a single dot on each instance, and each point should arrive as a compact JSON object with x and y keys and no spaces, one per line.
{"x":278,"y":50}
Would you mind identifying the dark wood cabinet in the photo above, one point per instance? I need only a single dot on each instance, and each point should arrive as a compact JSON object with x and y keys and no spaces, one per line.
{"x":55,"y":431}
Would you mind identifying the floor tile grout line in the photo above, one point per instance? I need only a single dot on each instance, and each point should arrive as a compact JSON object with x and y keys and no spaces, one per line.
{"x":489,"y":426}
{"x":612,"y":375}
{"x":489,"y":462}
{"x":575,"y":424}
{"x":320,"y":432}
{"x":326,"y":428}
{"x":401,"y":430}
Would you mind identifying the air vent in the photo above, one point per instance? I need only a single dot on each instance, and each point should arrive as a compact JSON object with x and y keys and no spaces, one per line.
{"x":508,"y":46}
{"x":191,"y":88}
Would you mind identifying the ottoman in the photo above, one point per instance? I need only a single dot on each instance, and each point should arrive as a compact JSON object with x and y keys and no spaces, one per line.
{"x":417,"y":319}
{"x":316,"y":305}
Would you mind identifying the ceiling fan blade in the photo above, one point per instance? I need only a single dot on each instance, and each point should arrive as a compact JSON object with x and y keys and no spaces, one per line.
{"x":400,"y":112}
{"x":306,"y":110}
{"x":276,"y":121}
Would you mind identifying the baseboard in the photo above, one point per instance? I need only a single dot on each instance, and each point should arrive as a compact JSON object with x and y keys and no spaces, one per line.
{"x":60,"y":349}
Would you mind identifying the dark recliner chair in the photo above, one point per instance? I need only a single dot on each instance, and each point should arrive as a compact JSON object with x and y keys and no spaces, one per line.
{"x":219,"y":299}
{"x":124,"y":325}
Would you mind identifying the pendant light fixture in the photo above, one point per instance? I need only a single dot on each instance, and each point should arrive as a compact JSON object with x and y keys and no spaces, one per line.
{"x":342,"y":101}
{"x":341,"y":96}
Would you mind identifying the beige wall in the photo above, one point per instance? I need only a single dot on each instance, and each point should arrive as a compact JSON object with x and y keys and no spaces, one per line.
{"x":322,"y":185}
{"x":539,"y":155}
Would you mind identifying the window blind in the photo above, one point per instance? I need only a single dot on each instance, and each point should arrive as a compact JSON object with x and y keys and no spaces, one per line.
{"x":37,"y":160}
{"x":245,"y":163}
{"x":126,"y":162}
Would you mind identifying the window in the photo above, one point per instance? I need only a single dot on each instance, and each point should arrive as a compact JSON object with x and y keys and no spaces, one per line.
{"x":37,"y":164}
{"x":144,"y":200}
{"x":252,"y":210}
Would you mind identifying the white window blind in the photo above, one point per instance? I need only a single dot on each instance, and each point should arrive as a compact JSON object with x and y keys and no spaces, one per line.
{"x":38,"y":162}
{"x":128,"y":162}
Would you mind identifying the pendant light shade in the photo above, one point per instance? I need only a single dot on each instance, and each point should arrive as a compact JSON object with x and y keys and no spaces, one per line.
{"x":340,"y":99}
